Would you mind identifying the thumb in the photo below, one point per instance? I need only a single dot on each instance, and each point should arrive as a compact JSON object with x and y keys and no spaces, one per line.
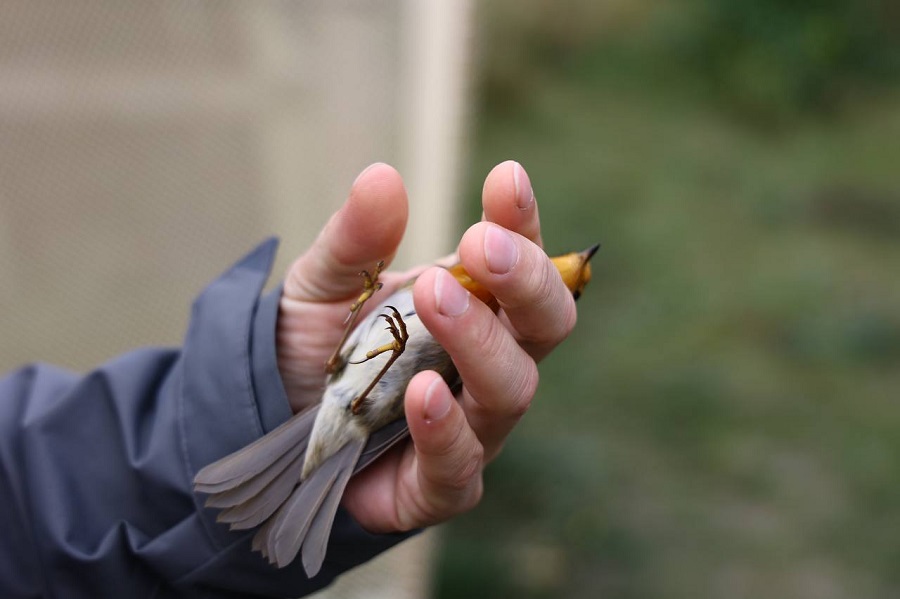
{"x":367,"y":228}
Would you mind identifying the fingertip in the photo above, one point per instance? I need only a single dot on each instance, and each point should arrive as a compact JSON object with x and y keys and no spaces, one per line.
{"x":374,"y":217}
{"x":366,"y":229}
{"x":437,"y":293}
{"x":433,"y":415}
{"x":428,"y":398}
{"x":508,"y":200}
{"x":378,"y":179}
{"x":364,"y":172}
{"x":501,"y":179}
{"x":448,"y":453}
{"x":488,"y":250}
{"x":436,"y":423}
{"x":524,"y":194}
{"x":423,"y":293}
{"x":471,"y":247}
{"x":438,"y":401}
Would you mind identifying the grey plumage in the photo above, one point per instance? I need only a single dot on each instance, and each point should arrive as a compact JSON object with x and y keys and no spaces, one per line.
{"x":292,"y":479}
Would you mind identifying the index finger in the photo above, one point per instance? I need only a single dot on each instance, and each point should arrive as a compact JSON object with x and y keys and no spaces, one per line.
{"x":539,"y":307}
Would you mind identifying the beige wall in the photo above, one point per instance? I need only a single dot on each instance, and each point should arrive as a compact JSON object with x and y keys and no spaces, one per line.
{"x":144,"y":146}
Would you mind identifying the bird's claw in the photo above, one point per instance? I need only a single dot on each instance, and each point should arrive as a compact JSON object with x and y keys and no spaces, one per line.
{"x":371,"y":284}
{"x":397,"y":328}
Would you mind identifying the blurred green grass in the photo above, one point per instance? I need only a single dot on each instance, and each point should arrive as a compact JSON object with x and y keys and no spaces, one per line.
{"x":724,"y":420}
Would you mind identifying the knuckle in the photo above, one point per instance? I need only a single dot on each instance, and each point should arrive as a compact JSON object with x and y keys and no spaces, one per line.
{"x":535,"y":290}
{"x":567,"y":320}
{"x":521,"y":407}
{"x":299,"y":286}
{"x":467,"y":471}
{"x":293,"y":281}
{"x":525,"y":391}
{"x":558,"y":320}
{"x":474,"y":496}
{"x":486,"y":337}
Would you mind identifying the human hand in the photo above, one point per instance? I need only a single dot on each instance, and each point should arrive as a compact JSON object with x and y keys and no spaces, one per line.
{"x":439,"y":474}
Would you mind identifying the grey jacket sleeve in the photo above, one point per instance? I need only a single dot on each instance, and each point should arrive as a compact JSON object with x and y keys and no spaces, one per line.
{"x":96,"y":470}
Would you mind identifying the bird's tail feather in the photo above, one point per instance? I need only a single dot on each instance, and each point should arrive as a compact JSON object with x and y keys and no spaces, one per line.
{"x":310,"y":508}
{"x":259,"y":457}
{"x":251,"y":484}
{"x":260,"y":506}
{"x":315,"y":545}
{"x":252,"y":487}
{"x":380,"y":441}
{"x":260,"y":484}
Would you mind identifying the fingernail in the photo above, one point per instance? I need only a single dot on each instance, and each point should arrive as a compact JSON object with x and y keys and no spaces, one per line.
{"x":500,"y":250}
{"x":452,"y":298}
{"x":437,"y":401}
{"x":524,"y":193}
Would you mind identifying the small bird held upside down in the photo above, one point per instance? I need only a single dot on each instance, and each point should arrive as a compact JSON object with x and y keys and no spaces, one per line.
{"x":291,"y":480}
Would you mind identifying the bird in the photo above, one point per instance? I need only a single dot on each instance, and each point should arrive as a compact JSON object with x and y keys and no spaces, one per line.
{"x":290,"y":481}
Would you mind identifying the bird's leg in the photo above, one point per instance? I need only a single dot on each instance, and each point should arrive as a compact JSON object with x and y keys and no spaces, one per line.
{"x":397,"y":328}
{"x":371,"y":284}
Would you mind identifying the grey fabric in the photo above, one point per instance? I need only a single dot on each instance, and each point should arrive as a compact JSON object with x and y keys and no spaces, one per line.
{"x":96,"y":470}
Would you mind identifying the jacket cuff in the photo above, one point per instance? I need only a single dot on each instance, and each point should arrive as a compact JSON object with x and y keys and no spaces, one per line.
{"x":232,"y":394}
{"x":271,"y":398}
{"x":220,"y":410}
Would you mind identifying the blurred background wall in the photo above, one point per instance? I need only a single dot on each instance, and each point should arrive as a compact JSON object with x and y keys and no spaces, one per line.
{"x":145,"y":146}
{"x":722,"y":423}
